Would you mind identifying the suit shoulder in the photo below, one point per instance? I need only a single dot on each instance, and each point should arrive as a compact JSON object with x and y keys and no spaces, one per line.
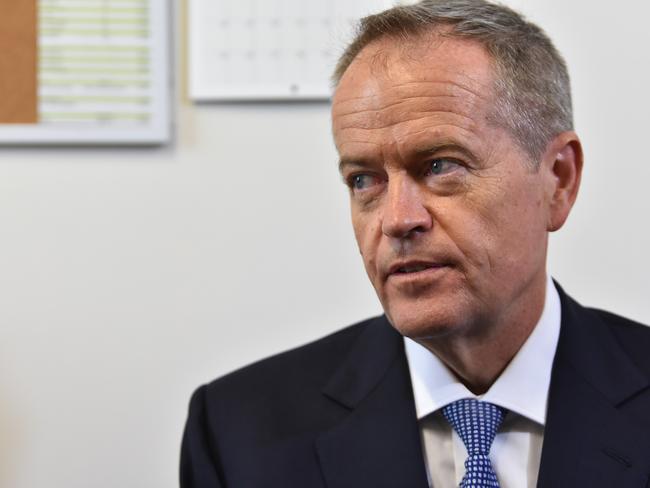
{"x":291,"y":370}
{"x":633,"y":336}
{"x":623,"y":326}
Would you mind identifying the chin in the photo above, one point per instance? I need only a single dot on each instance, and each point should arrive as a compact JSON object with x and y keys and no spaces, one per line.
{"x":417,"y":323}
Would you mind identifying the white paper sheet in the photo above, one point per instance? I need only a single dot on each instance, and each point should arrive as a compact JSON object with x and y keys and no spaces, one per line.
{"x":269,"y":49}
{"x":103,"y":74}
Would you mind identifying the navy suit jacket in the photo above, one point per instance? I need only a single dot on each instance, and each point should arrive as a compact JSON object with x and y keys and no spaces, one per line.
{"x":339,"y":413}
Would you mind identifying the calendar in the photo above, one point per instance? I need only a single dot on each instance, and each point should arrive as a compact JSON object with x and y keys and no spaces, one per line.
{"x":269,"y":49}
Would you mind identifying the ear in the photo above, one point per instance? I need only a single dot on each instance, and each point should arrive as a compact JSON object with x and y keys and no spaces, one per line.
{"x":563,"y":162}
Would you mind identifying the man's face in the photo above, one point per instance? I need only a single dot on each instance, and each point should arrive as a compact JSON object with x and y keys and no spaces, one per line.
{"x":450,"y":218}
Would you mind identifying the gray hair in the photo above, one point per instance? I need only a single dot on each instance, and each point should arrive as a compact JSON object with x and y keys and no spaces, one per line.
{"x":532,"y":86}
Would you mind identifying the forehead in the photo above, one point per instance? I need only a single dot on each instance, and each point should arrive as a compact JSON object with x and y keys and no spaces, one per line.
{"x":391,"y":82}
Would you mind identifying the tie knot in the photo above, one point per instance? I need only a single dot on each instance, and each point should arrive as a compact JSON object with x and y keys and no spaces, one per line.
{"x":475,"y":422}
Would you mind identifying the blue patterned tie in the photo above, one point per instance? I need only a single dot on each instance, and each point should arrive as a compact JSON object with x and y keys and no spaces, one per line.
{"x":476,"y":423}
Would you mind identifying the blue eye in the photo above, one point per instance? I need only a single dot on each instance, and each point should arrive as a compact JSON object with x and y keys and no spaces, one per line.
{"x":361,"y":181}
{"x":441,"y":166}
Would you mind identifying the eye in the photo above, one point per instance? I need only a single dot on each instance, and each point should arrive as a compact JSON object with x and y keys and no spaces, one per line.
{"x":362,"y":181}
{"x":441,"y":166}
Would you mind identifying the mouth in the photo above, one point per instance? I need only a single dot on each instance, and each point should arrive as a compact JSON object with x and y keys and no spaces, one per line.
{"x":413,"y":267}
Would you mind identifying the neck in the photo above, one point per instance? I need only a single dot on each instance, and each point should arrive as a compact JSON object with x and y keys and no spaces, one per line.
{"x":479,"y":359}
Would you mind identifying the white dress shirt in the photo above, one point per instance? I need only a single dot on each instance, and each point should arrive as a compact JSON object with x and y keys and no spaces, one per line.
{"x":522,"y":389}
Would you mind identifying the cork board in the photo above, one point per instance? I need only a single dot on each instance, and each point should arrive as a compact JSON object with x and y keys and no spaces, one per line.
{"x":85,"y":72}
{"x":18,"y":62}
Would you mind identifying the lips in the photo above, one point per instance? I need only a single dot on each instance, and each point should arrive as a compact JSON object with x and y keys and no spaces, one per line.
{"x":411,"y":267}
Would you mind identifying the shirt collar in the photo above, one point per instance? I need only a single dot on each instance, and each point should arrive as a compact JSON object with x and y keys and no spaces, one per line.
{"x":521,"y":388}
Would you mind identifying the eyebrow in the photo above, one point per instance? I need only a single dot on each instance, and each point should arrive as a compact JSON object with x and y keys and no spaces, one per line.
{"x":425,"y":150}
{"x":343,"y":162}
{"x":446,"y":145}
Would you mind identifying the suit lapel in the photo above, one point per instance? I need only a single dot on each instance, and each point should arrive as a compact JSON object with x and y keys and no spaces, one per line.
{"x":588,"y":440}
{"x":378,"y":443}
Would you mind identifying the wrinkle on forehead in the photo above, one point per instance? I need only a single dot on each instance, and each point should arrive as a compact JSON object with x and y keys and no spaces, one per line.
{"x":446,"y":91}
{"x":411,"y":139}
{"x":454,"y":68}
{"x":404,"y":94}
{"x":412,"y":109}
{"x":451,"y":85}
{"x":437,"y":125}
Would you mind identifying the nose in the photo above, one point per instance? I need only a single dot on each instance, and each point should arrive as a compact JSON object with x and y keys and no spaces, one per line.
{"x":404,"y":212}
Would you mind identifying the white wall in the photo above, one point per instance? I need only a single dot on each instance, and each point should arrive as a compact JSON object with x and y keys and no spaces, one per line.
{"x":129,"y":277}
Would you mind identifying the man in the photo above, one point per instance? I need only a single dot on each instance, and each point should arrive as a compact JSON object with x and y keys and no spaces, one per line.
{"x":453,"y":123}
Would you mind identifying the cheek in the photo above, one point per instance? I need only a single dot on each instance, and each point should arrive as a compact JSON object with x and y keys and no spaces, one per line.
{"x":514,"y":227}
{"x":498,"y":228}
{"x":368,"y":235}
{"x":526,"y":214}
